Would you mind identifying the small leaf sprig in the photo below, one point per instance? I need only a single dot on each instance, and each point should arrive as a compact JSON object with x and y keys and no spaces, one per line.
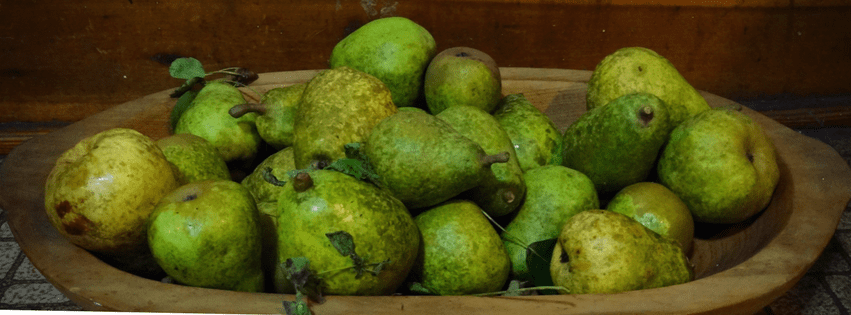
{"x":308,"y":285}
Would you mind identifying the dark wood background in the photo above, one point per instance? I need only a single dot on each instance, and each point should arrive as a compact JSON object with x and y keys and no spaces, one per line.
{"x":61,"y":61}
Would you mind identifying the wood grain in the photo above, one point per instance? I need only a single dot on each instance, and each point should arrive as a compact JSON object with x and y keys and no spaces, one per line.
{"x":66,"y":60}
{"x":739,"y":268}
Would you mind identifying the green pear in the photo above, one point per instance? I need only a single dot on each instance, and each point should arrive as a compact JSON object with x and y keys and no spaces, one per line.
{"x":536,"y":139}
{"x":657,"y":208}
{"x":460,"y":252}
{"x":268,"y":224}
{"x":195,"y":158}
{"x":721,"y":164}
{"x":617,"y":145}
{"x":321,"y":202}
{"x":280,"y":163}
{"x":638,"y":69}
{"x":501,"y":192}
{"x":395,"y":50}
{"x":207,"y":234}
{"x":423,"y":161}
{"x":339,"y":106}
{"x":554,"y":194}
{"x":100,"y":192}
{"x":208,"y":118}
{"x":600,"y":251}
{"x":276,"y":111}
{"x":462,"y":76}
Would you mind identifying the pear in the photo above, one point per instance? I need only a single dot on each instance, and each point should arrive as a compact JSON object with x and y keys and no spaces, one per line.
{"x":280,"y":163}
{"x":616,"y":145}
{"x":554,"y":194}
{"x":722,"y":165}
{"x":536,"y":139}
{"x":460,"y":252}
{"x":502,"y":192}
{"x":339,"y":106}
{"x":208,"y":118}
{"x":207,"y":234}
{"x":600,"y":251}
{"x":657,"y":208}
{"x":195,"y":158}
{"x":462,"y":76}
{"x":423,"y":161}
{"x":638,"y":69}
{"x":268,"y":224}
{"x":276,"y":112}
{"x":395,"y":50}
{"x":321,"y":202}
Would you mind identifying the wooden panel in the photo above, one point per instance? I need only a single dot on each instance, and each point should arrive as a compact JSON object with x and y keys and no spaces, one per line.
{"x":66,"y":60}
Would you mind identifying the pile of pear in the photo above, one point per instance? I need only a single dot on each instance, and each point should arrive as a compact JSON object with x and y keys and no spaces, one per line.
{"x":471,"y":189}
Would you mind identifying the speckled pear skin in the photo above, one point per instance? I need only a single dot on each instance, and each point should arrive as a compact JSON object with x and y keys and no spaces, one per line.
{"x":460,"y":253}
{"x":422,"y":160}
{"x":380,"y":225}
{"x":339,"y":106}
{"x":600,"y":251}
{"x":195,"y":158}
{"x":638,"y":69}
{"x":207,"y":234}
{"x":281,"y":162}
{"x":276,"y":125}
{"x":100,"y":192}
{"x":208,"y":118}
{"x":722,"y":165}
{"x":502,"y":192}
{"x":554,"y":194}
{"x":616,"y":145}
{"x":537,"y":141}
{"x":395,"y":50}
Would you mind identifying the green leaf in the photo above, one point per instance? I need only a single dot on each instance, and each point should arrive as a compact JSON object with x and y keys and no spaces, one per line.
{"x":538,"y":256}
{"x":343,"y":242}
{"x":186,"y":68}
{"x":417,"y":287}
{"x":297,"y":307}
{"x":271,"y":178}
{"x":297,"y":270}
{"x":180,"y":107}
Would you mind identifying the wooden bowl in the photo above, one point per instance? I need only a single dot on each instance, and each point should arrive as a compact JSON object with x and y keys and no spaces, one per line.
{"x":739,"y":268}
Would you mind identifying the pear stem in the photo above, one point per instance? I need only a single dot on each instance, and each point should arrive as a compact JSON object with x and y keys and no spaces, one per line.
{"x":302,"y":182}
{"x":501,"y":157}
{"x":238,"y":110}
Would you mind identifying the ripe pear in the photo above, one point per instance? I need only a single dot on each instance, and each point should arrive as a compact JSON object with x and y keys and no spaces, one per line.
{"x":423,"y":161}
{"x":657,"y":208}
{"x":600,"y":251}
{"x":276,"y":112}
{"x":319,"y":202}
{"x":395,"y":50}
{"x":721,"y":164}
{"x":207,"y":234}
{"x":638,"y":69}
{"x":617,"y":145}
{"x":280,"y":163}
{"x":501,"y":192}
{"x":460,"y":252}
{"x":536,"y":139}
{"x":339,"y":106}
{"x":100,"y":192}
{"x":554,"y":194}
{"x":462,"y":76}
{"x":208,"y":118}
{"x":195,"y":158}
